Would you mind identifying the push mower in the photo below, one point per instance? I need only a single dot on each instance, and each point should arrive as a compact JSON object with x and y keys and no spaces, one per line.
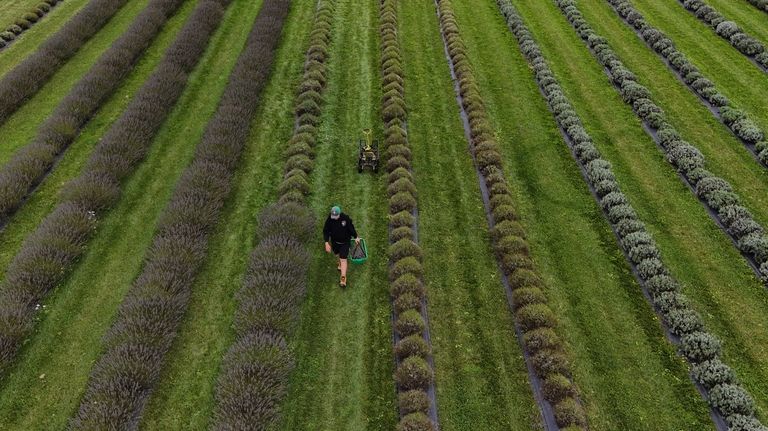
{"x":368,"y":156}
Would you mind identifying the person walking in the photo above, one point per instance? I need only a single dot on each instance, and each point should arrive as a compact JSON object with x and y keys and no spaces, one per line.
{"x":337,"y":233}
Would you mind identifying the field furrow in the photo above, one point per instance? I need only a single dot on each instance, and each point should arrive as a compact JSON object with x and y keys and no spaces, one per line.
{"x":33,"y":162}
{"x":26,"y":79}
{"x":414,"y":363}
{"x":21,"y":47}
{"x":343,"y":347}
{"x":736,"y":119}
{"x":729,"y":31}
{"x":659,"y":284}
{"x":20,"y":128}
{"x":83,"y":307}
{"x":184,"y":398}
{"x":730,"y":298}
{"x":737,"y":78}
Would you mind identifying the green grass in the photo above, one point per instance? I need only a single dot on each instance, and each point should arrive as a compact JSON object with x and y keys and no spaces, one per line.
{"x":21,"y":127}
{"x":44,"y":389}
{"x":745,"y":84}
{"x":38,"y":33}
{"x":343,"y":379}
{"x":608,"y":326}
{"x":183,"y":399}
{"x":481,"y":378}
{"x":714,"y":275}
{"x":42,"y":201}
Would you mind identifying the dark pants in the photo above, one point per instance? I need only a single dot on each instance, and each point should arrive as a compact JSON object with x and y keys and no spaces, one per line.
{"x":340,"y":249}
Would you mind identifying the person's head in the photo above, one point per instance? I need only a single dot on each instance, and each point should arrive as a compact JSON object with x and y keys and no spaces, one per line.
{"x":335,"y":212}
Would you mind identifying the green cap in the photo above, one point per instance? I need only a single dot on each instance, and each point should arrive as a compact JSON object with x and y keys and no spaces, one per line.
{"x":335,"y":211}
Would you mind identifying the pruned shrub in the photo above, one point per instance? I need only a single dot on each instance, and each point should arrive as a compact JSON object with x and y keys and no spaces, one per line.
{"x":569,"y":413}
{"x":409,"y":322}
{"x":407,"y":283}
{"x":415,"y":401}
{"x":407,"y":301}
{"x":415,"y":422}
{"x":557,"y":387}
{"x":535,"y":316}
{"x":731,"y":399}
{"x":547,"y":362}
{"x":528,"y":295}
{"x":700,"y":346}
{"x":413,"y":373}
{"x":683,"y":321}
{"x":712,"y":373}
{"x":413,"y":345}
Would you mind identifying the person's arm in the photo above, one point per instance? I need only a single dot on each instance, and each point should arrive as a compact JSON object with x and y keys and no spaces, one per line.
{"x":327,"y":235}
{"x":352,"y":230}
{"x":327,"y":230}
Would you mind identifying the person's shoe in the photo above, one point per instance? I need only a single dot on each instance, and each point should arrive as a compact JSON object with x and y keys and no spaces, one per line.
{"x":343,"y":282}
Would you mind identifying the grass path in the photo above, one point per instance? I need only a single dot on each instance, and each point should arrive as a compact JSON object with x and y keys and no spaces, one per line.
{"x":343,"y":379}
{"x":33,"y":37}
{"x":22,"y":126}
{"x":735,"y":75}
{"x":183,"y":399}
{"x":68,"y":339}
{"x":575,"y":251}
{"x":732,"y":301}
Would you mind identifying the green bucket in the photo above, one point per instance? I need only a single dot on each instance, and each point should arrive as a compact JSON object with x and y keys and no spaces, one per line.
{"x":358,"y":253}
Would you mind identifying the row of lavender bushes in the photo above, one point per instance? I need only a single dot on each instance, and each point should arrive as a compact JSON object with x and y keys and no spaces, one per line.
{"x":697,"y":345}
{"x":30,"y":75}
{"x":728,"y":30}
{"x":255,"y":370}
{"x":760,"y":4}
{"x":149,"y":316}
{"x":61,"y":238}
{"x":20,"y":25}
{"x":716,"y":193}
{"x":534,"y":317}
{"x":31,"y":164}
{"x":413,"y":375}
{"x":736,"y":119}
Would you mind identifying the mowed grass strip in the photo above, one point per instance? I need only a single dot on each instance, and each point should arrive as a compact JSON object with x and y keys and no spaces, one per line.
{"x":712,"y":272}
{"x":44,"y":199}
{"x":68,"y":338}
{"x":184,"y":398}
{"x":30,"y":39}
{"x":735,"y":75}
{"x":576,"y":251}
{"x":20,"y":128}
{"x":480,"y":376}
{"x":343,"y":346}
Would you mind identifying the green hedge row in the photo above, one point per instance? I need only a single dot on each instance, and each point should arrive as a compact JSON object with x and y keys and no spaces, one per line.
{"x":760,"y":4}
{"x":534,"y":317}
{"x":715,"y":192}
{"x":27,"y":20}
{"x":29,"y":76}
{"x":135,"y":346}
{"x":33,"y":162}
{"x":413,"y":375}
{"x":57,"y":243}
{"x":736,"y":119}
{"x":697,"y":345}
{"x":728,"y":30}
{"x":255,"y":370}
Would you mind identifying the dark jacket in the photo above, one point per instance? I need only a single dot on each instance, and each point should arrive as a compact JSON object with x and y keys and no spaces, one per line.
{"x":340,"y":230}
